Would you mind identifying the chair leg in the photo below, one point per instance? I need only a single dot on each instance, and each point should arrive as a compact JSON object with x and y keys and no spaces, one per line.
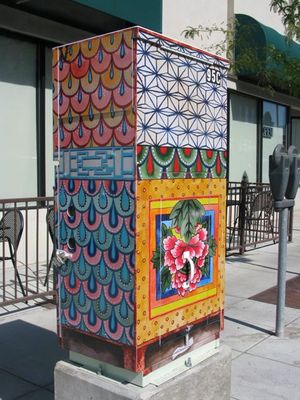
{"x":14,"y":261}
{"x":48,"y":268}
{"x":231,"y":235}
{"x":256,"y":234}
{"x":17,"y":274}
{"x":259,"y":221}
{"x":272,"y":229}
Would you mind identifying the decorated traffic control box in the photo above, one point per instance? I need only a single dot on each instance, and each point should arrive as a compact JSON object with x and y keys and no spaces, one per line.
{"x":141,"y":147}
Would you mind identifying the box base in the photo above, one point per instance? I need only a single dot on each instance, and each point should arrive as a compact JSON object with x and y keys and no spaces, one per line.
{"x":208,"y":380}
{"x":149,"y":356}
{"x":157,"y":377}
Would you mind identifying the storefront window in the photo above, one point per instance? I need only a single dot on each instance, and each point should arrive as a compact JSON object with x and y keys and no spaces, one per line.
{"x":274,"y":131}
{"x":243,"y":137}
{"x":49,"y":166}
{"x":249,"y":146}
{"x":18,"y":161}
{"x":26,"y":166}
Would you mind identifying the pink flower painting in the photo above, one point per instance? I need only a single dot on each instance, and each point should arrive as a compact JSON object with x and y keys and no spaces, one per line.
{"x":185,"y":248}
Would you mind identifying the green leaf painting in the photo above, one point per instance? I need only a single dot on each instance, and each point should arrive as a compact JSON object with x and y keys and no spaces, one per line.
{"x":212,"y":246}
{"x":166,"y":278}
{"x":165,"y":231}
{"x":158,"y":258}
{"x":186,"y":215}
{"x":205,"y":269}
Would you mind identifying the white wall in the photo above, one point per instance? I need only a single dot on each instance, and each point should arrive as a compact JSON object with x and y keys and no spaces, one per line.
{"x":178,"y":14}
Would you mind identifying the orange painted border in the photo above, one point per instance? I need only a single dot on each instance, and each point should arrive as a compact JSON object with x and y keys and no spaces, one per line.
{"x":152,"y":328}
{"x":154,"y":303}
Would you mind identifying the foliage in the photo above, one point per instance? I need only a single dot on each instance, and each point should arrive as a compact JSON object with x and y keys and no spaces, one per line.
{"x":290,"y":13}
{"x":206,"y":32}
{"x":283,"y":73}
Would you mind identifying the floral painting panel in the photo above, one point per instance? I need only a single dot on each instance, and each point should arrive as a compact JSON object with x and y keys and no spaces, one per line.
{"x":183,"y":251}
{"x":170,"y":246}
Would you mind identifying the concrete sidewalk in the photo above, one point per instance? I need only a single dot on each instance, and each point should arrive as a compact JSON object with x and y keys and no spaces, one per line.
{"x":263,"y":367}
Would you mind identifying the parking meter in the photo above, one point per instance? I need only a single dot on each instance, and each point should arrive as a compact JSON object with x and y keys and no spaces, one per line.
{"x":294,"y":175}
{"x":284,"y":173}
{"x":279,"y":170}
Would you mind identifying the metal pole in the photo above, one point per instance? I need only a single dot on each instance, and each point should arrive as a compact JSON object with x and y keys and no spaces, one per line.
{"x":281,"y":277}
{"x":242,"y":212}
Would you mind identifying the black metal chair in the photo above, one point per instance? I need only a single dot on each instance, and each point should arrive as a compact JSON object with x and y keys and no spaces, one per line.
{"x":260,"y":216}
{"x":50,"y":220}
{"x":11,"y":229}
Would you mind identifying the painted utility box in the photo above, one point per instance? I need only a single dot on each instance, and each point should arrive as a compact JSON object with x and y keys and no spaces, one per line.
{"x":140,"y":136}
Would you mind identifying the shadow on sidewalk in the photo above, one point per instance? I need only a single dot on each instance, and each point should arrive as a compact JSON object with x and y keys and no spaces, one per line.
{"x":292,"y":299}
{"x":28,"y":354}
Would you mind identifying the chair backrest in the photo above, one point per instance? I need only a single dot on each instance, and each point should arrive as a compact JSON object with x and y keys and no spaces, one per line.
{"x":12,"y":225}
{"x":262,"y":202}
{"x":50,"y":219}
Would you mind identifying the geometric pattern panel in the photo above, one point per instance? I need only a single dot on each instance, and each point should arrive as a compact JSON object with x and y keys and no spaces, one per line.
{"x":180,"y":48}
{"x":178,"y":105}
{"x":173,"y":163}
{"x":97,"y":287}
{"x":186,"y":216}
{"x":97,"y":163}
{"x":93,"y":92}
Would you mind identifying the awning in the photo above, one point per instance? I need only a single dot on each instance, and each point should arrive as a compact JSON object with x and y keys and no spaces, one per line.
{"x":92,"y":16}
{"x":147,"y":14}
{"x":255,"y":37}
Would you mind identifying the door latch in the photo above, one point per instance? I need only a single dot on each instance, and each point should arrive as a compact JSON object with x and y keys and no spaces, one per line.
{"x":61,"y":256}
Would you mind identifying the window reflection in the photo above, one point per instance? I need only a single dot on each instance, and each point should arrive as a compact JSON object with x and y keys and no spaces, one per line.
{"x":243,"y":137}
{"x":274,"y":131}
{"x":269,"y":114}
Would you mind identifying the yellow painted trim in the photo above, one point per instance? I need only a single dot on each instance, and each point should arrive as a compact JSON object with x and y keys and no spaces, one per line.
{"x":155,"y":312}
{"x":171,"y":203}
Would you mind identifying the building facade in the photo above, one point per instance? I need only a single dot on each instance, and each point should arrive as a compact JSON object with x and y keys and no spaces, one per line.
{"x":258,"y":118}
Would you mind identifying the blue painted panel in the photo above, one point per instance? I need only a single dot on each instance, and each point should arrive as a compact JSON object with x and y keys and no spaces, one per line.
{"x":97,"y":163}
